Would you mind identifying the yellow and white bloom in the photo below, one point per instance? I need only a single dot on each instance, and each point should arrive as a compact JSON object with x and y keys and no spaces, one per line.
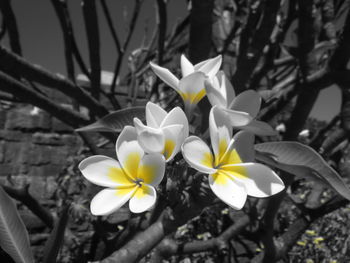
{"x":242,"y":110}
{"x":134,"y":177}
{"x":164,"y":133}
{"x":191,"y":86}
{"x":232,"y":173}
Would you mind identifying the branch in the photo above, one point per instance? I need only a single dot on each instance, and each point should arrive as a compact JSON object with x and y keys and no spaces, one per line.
{"x":66,"y":38}
{"x":254,"y":40}
{"x":11,"y":61}
{"x":92,"y":32}
{"x":11,"y":24}
{"x":24,"y":93}
{"x":162,"y":26}
{"x":62,"y":13}
{"x":307,"y":34}
{"x":28,"y":200}
{"x":139,"y":246}
{"x":200,"y":43}
{"x":135,"y":15}
{"x":111,"y":27}
{"x":3,"y":28}
{"x":169,"y":247}
{"x":288,"y":239}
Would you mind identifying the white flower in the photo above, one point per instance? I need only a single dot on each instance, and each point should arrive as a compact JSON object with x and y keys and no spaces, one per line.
{"x":164,"y":133}
{"x":134,"y":177}
{"x":191,"y":86}
{"x":232,"y":173}
{"x":242,"y":109}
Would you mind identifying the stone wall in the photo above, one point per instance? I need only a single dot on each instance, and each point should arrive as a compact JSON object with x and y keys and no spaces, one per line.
{"x":34,"y":148}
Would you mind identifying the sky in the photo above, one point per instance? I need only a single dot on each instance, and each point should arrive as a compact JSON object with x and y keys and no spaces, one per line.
{"x":41,"y":37}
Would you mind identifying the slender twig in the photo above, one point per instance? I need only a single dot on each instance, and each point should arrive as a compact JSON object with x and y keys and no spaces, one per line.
{"x":132,"y":24}
{"x":111,"y":26}
{"x":62,"y":13}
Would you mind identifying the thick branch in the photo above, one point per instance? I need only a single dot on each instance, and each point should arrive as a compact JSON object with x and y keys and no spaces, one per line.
{"x":170,"y":247}
{"x":162,"y":25}
{"x":92,"y":32}
{"x":200,"y":43}
{"x":10,"y":61}
{"x":288,"y":239}
{"x":24,"y":93}
{"x":11,"y":24}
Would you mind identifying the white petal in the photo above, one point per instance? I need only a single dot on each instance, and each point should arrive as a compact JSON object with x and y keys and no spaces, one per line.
{"x":214,"y":95}
{"x":229,"y":191}
{"x":226,"y":88}
{"x":244,"y":145}
{"x":238,"y":118}
{"x":104,"y":171}
{"x":248,"y":101}
{"x":150,"y":139}
{"x":174,"y":137}
{"x":259,"y":128}
{"x":108,"y":201}
{"x":128,"y":134}
{"x":165,"y":75}
{"x":177,"y":116}
{"x":192,"y":87}
{"x":198,"y":155}
{"x":130,"y":154}
{"x":258,"y":179}
{"x":210,"y":67}
{"x":220,"y":132}
{"x":151,"y":169}
{"x":154,"y":115}
{"x":143,"y":199}
{"x":186,"y":66}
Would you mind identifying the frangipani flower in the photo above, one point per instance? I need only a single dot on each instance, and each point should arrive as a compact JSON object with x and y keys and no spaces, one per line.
{"x":232,"y":173}
{"x":164,"y":133}
{"x":191,"y":86}
{"x":134,"y":177}
{"x":241,"y":109}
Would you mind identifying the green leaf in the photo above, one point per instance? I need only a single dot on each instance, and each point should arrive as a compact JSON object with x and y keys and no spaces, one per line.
{"x":54,"y":243}
{"x":115,"y":121}
{"x":14,"y":238}
{"x":302,"y":161}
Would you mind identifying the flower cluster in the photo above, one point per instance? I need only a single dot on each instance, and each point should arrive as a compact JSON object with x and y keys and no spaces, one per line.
{"x":144,"y":150}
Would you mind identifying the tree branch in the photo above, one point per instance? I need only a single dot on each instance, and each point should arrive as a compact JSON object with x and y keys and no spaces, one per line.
{"x":62,"y":13}
{"x":255,"y":40}
{"x":169,"y":247}
{"x":11,"y":61}
{"x":24,"y":93}
{"x":11,"y":25}
{"x":92,"y":32}
{"x":135,"y":15}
